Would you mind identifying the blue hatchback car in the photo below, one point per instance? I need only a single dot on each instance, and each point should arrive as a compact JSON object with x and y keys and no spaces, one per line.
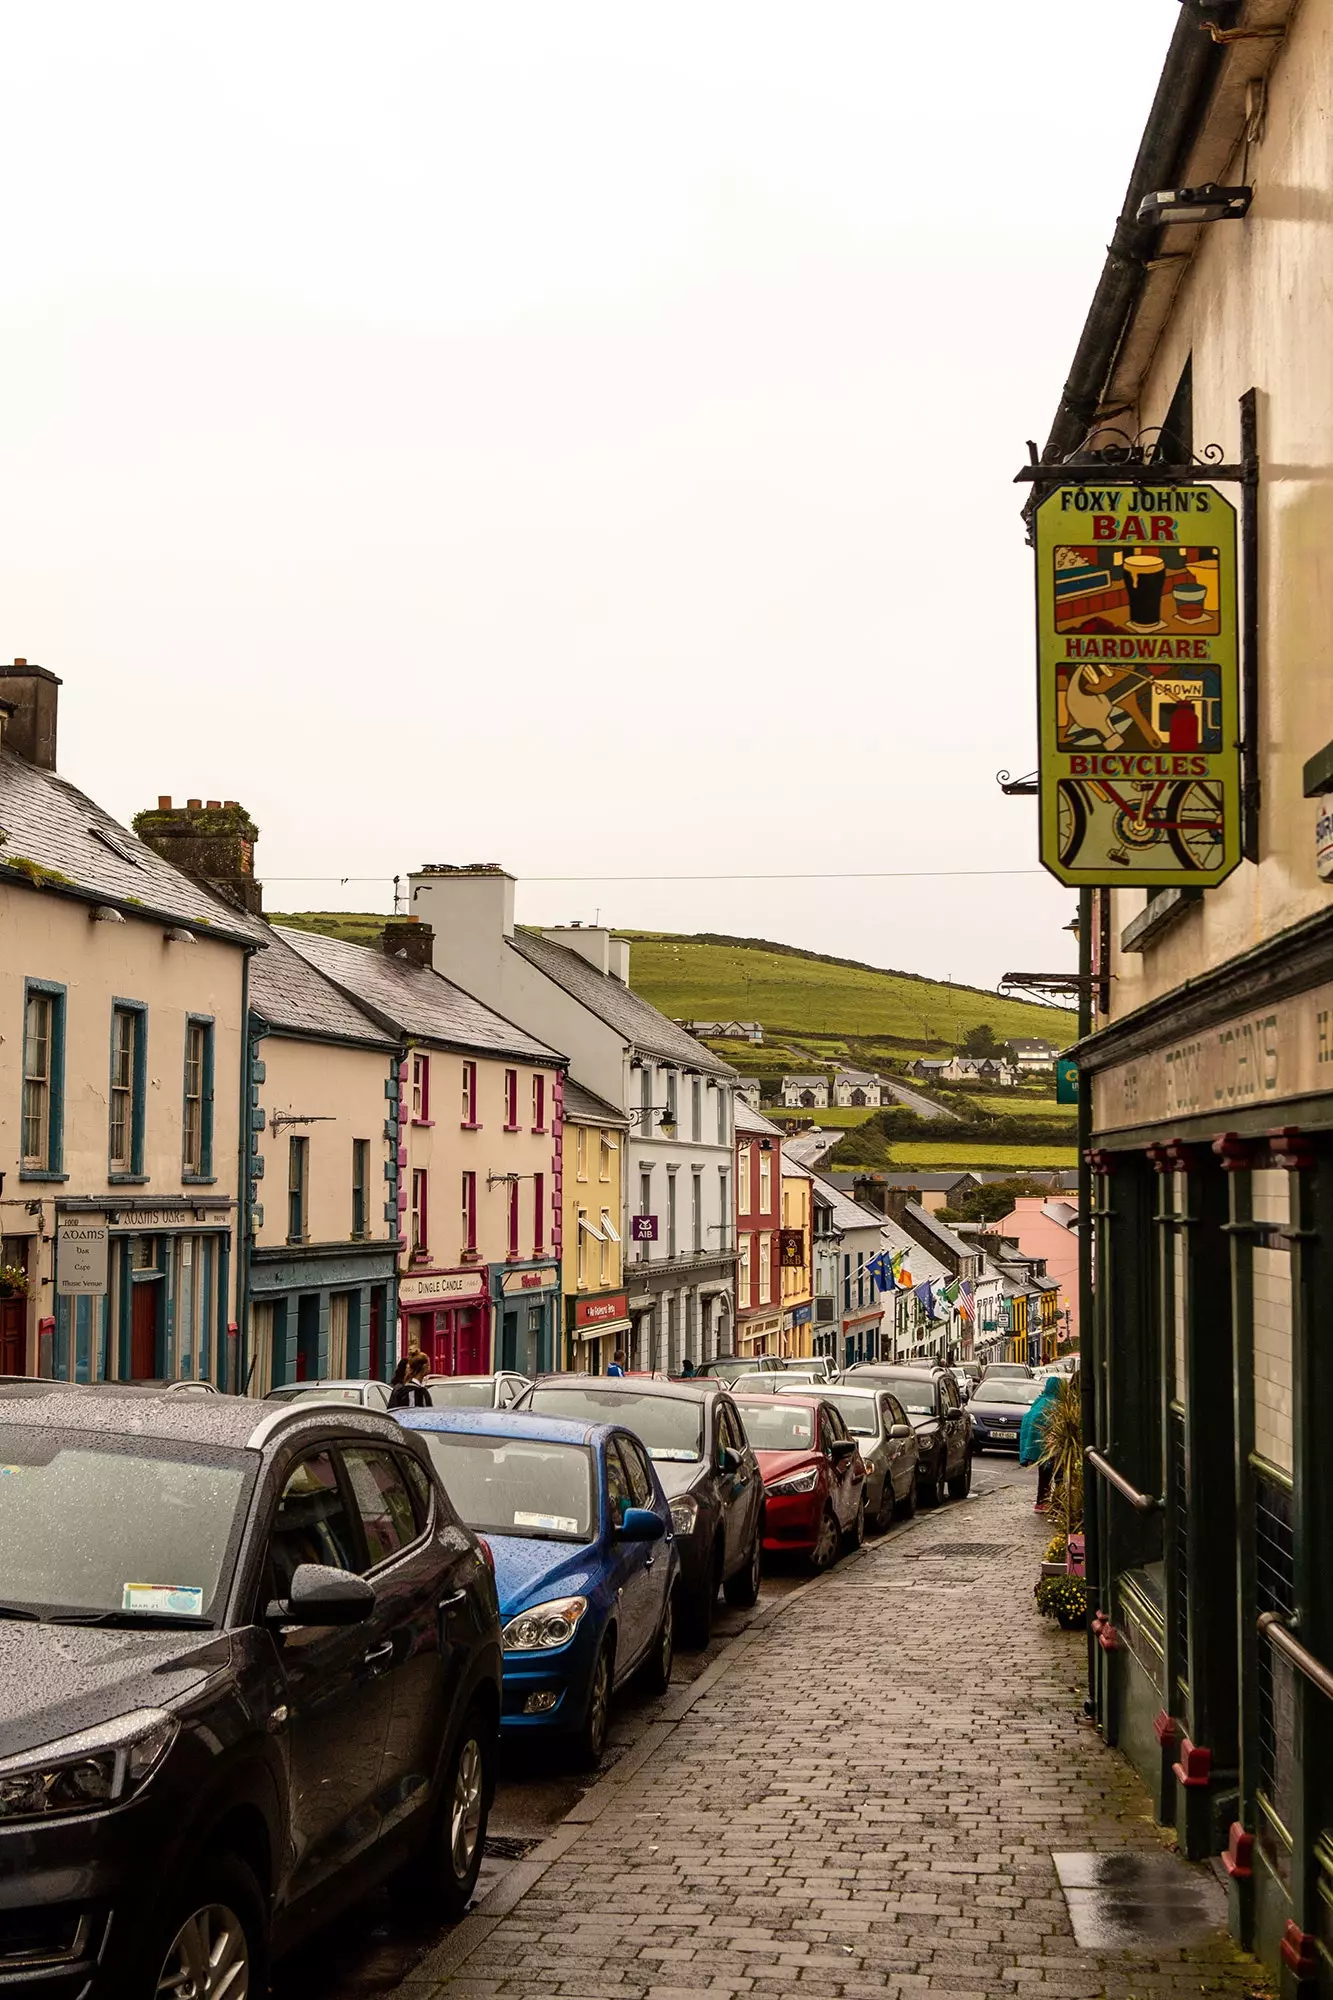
{"x":585,"y":1561}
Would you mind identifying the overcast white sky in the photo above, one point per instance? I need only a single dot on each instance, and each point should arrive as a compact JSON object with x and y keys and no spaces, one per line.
{"x":433,"y":424}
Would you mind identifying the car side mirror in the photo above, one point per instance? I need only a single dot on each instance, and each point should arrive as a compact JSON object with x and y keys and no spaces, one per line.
{"x":729,"y":1459}
{"x":640,"y":1524}
{"x":841,"y":1448}
{"x":322,"y":1596}
{"x":900,"y":1431}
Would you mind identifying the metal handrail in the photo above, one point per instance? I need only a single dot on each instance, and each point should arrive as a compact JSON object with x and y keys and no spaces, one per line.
{"x":1273,"y":1627}
{"x":1143,"y":1502}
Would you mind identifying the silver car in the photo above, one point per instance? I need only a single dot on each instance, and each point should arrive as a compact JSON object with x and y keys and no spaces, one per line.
{"x":477,"y":1392}
{"x":887,"y":1443}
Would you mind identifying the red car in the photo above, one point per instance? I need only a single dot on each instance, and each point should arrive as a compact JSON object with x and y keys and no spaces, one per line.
{"x":813,"y":1473}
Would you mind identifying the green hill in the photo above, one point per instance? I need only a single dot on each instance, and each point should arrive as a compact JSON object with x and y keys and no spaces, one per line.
{"x":815,"y":1009}
{"x":838,"y":1007}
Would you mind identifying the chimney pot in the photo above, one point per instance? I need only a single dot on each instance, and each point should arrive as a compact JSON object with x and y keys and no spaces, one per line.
{"x":19,"y":662}
{"x":222,"y":856}
{"x":194,"y":805}
{"x":215,"y":805}
{"x":232,"y":805}
{"x":164,"y":803}
{"x":31,"y":729}
{"x":409,"y":938}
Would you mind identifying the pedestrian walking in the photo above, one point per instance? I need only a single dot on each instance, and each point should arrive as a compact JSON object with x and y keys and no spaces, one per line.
{"x":617,"y":1362}
{"x":408,"y":1388}
{"x":687,"y":1368}
{"x":1031,"y":1440}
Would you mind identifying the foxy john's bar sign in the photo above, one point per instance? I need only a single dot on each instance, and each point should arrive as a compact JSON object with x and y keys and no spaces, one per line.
{"x":1137,"y":685}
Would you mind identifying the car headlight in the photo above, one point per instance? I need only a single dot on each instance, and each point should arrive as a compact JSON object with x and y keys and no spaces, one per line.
{"x":684,"y":1514}
{"x":927,"y":1433}
{"x":545,"y":1625}
{"x":800,"y":1482}
{"x":98,"y":1767}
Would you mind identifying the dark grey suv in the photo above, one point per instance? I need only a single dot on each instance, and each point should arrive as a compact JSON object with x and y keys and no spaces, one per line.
{"x":694,"y":1435}
{"x":935,"y":1411}
{"x":252,"y":1669}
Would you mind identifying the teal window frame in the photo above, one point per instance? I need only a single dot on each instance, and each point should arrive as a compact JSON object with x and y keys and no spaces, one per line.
{"x":138,"y":1011}
{"x":55,"y":1108}
{"x":203,"y":1173}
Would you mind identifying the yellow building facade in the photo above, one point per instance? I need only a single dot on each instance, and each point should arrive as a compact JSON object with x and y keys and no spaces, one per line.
{"x":596,"y":1307}
{"x":796,"y":1261}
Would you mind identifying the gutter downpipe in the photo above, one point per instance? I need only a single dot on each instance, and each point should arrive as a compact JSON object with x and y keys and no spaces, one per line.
{"x":1193,"y":64}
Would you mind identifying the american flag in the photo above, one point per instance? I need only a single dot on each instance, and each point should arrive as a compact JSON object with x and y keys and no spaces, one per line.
{"x":966,"y":1302}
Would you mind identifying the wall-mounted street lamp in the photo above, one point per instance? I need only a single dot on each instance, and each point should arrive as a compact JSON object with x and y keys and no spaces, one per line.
{"x":642,"y":1114}
{"x":1207,"y":203}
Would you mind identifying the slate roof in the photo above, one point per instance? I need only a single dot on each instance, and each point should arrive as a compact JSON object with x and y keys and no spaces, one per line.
{"x":50,"y":822}
{"x":289,"y":993}
{"x":646,"y":1030}
{"x":585,"y":1107}
{"x":939,"y":1233}
{"x":847,"y":1214}
{"x":750,"y":1120}
{"x":416,"y":1000}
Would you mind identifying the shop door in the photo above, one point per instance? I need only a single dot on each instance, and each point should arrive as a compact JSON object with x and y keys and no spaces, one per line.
{"x":509,"y":1339}
{"x":143,"y":1332}
{"x":424,"y":1331}
{"x":532,"y":1360}
{"x":375,"y":1334}
{"x":471,"y":1340}
{"x":13,"y":1335}
{"x":307,"y":1338}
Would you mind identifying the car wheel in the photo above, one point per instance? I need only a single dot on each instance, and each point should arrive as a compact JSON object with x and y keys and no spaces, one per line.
{"x":825,"y":1551}
{"x":214,"y":1941}
{"x":657,"y":1669}
{"x":591,"y":1739}
{"x":907,"y":1506}
{"x":960,"y":1488}
{"x":855,"y":1536}
{"x":932,"y":1489}
{"x":742,"y":1589}
{"x":444,"y":1874}
{"x":699,"y":1622}
{"x":885,"y":1514}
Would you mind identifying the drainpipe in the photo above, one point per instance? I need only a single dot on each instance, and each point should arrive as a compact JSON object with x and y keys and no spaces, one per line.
{"x":245,"y":1149}
{"x":1193,"y":63}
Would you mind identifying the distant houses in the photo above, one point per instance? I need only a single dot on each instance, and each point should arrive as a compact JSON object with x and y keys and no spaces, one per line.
{"x":846,"y":1087}
{"x":725,"y":1031}
{"x":967,"y":1069}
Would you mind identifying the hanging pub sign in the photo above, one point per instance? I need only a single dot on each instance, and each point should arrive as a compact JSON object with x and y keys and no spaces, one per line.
{"x":1138,"y":685}
{"x":791,"y":1249}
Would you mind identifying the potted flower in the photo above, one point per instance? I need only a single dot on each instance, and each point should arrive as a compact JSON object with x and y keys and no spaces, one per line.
{"x":13,"y":1281}
{"x":1061,"y":1591}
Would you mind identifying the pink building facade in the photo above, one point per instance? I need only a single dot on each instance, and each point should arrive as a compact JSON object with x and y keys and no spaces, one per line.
{"x":1047,"y":1226}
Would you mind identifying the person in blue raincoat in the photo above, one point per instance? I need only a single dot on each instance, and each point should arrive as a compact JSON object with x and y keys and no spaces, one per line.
{"x":1032,"y":1437}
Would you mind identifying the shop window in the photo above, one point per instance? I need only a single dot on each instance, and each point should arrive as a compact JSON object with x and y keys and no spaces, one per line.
{"x":469,"y":1215}
{"x":420,"y":1237}
{"x":539,"y":1103}
{"x":469,"y":1105}
{"x":511,"y":1100}
{"x":126,"y":1094}
{"x":360,"y":1187}
{"x":197,"y":1115}
{"x":298,"y":1164}
{"x":43,"y":1078}
{"x":1271,"y":1267}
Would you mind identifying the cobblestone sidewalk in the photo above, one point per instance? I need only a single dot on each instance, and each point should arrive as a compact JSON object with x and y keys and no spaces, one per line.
{"x":865,"y":1800}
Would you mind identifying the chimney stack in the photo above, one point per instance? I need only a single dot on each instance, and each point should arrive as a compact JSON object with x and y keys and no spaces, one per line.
{"x":214,"y":843}
{"x":409,"y":938}
{"x":30,"y":729}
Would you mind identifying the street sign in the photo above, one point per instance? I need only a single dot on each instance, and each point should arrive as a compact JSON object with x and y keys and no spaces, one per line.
{"x":1138,"y":685}
{"x":643,"y":1228}
{"x":81,"y":1258}
{"x":1066,"y":1080}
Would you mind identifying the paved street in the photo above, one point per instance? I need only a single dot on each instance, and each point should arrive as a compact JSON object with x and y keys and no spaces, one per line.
{"x":817,"y":1810}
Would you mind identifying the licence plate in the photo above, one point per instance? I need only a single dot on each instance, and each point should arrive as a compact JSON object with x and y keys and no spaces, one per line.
{"x":1009,"y":1435}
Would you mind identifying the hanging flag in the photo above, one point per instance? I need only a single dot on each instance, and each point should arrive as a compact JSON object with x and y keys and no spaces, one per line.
{"x":925,"y":1295}
{"x":902,"y":1269}
{"x":966,"y":1302}
{"x":880,"y":1271}
{"x":952,"y":1290}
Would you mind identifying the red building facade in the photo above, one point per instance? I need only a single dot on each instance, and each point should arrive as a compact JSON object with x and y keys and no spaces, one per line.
{"x":758,"y":1233}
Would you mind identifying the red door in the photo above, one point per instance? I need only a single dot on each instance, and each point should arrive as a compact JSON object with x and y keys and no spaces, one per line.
{"x":471,"y":1340}
{"x":143,"y":1333}
{"x":13,"y":1335}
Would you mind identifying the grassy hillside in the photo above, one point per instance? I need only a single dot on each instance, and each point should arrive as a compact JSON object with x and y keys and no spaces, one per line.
{"x":934,"y":1153}
{"x":836,"y":1000}
{"x":352,"y":926}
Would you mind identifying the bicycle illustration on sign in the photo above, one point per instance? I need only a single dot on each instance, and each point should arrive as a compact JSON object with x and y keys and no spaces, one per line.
{"x":1170,"y":824}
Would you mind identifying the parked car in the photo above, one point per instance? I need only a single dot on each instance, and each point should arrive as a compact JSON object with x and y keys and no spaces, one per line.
{"x":585,"y":1560}
{"x":943,"y":1428}
{"x":693,"y":1434}
{"x":817,"y":1367}
{"x":366,"y":1395}
{"x":730,"y":1367}
{"x":887,"y":1444}
{"x":1012,"y":1371}
{"x":476,"y":1392}
{"x":814,"y":1476}
{"x":997,"y":1412}
{"x":252,"y":1669}
{"x":971,"y":1370}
